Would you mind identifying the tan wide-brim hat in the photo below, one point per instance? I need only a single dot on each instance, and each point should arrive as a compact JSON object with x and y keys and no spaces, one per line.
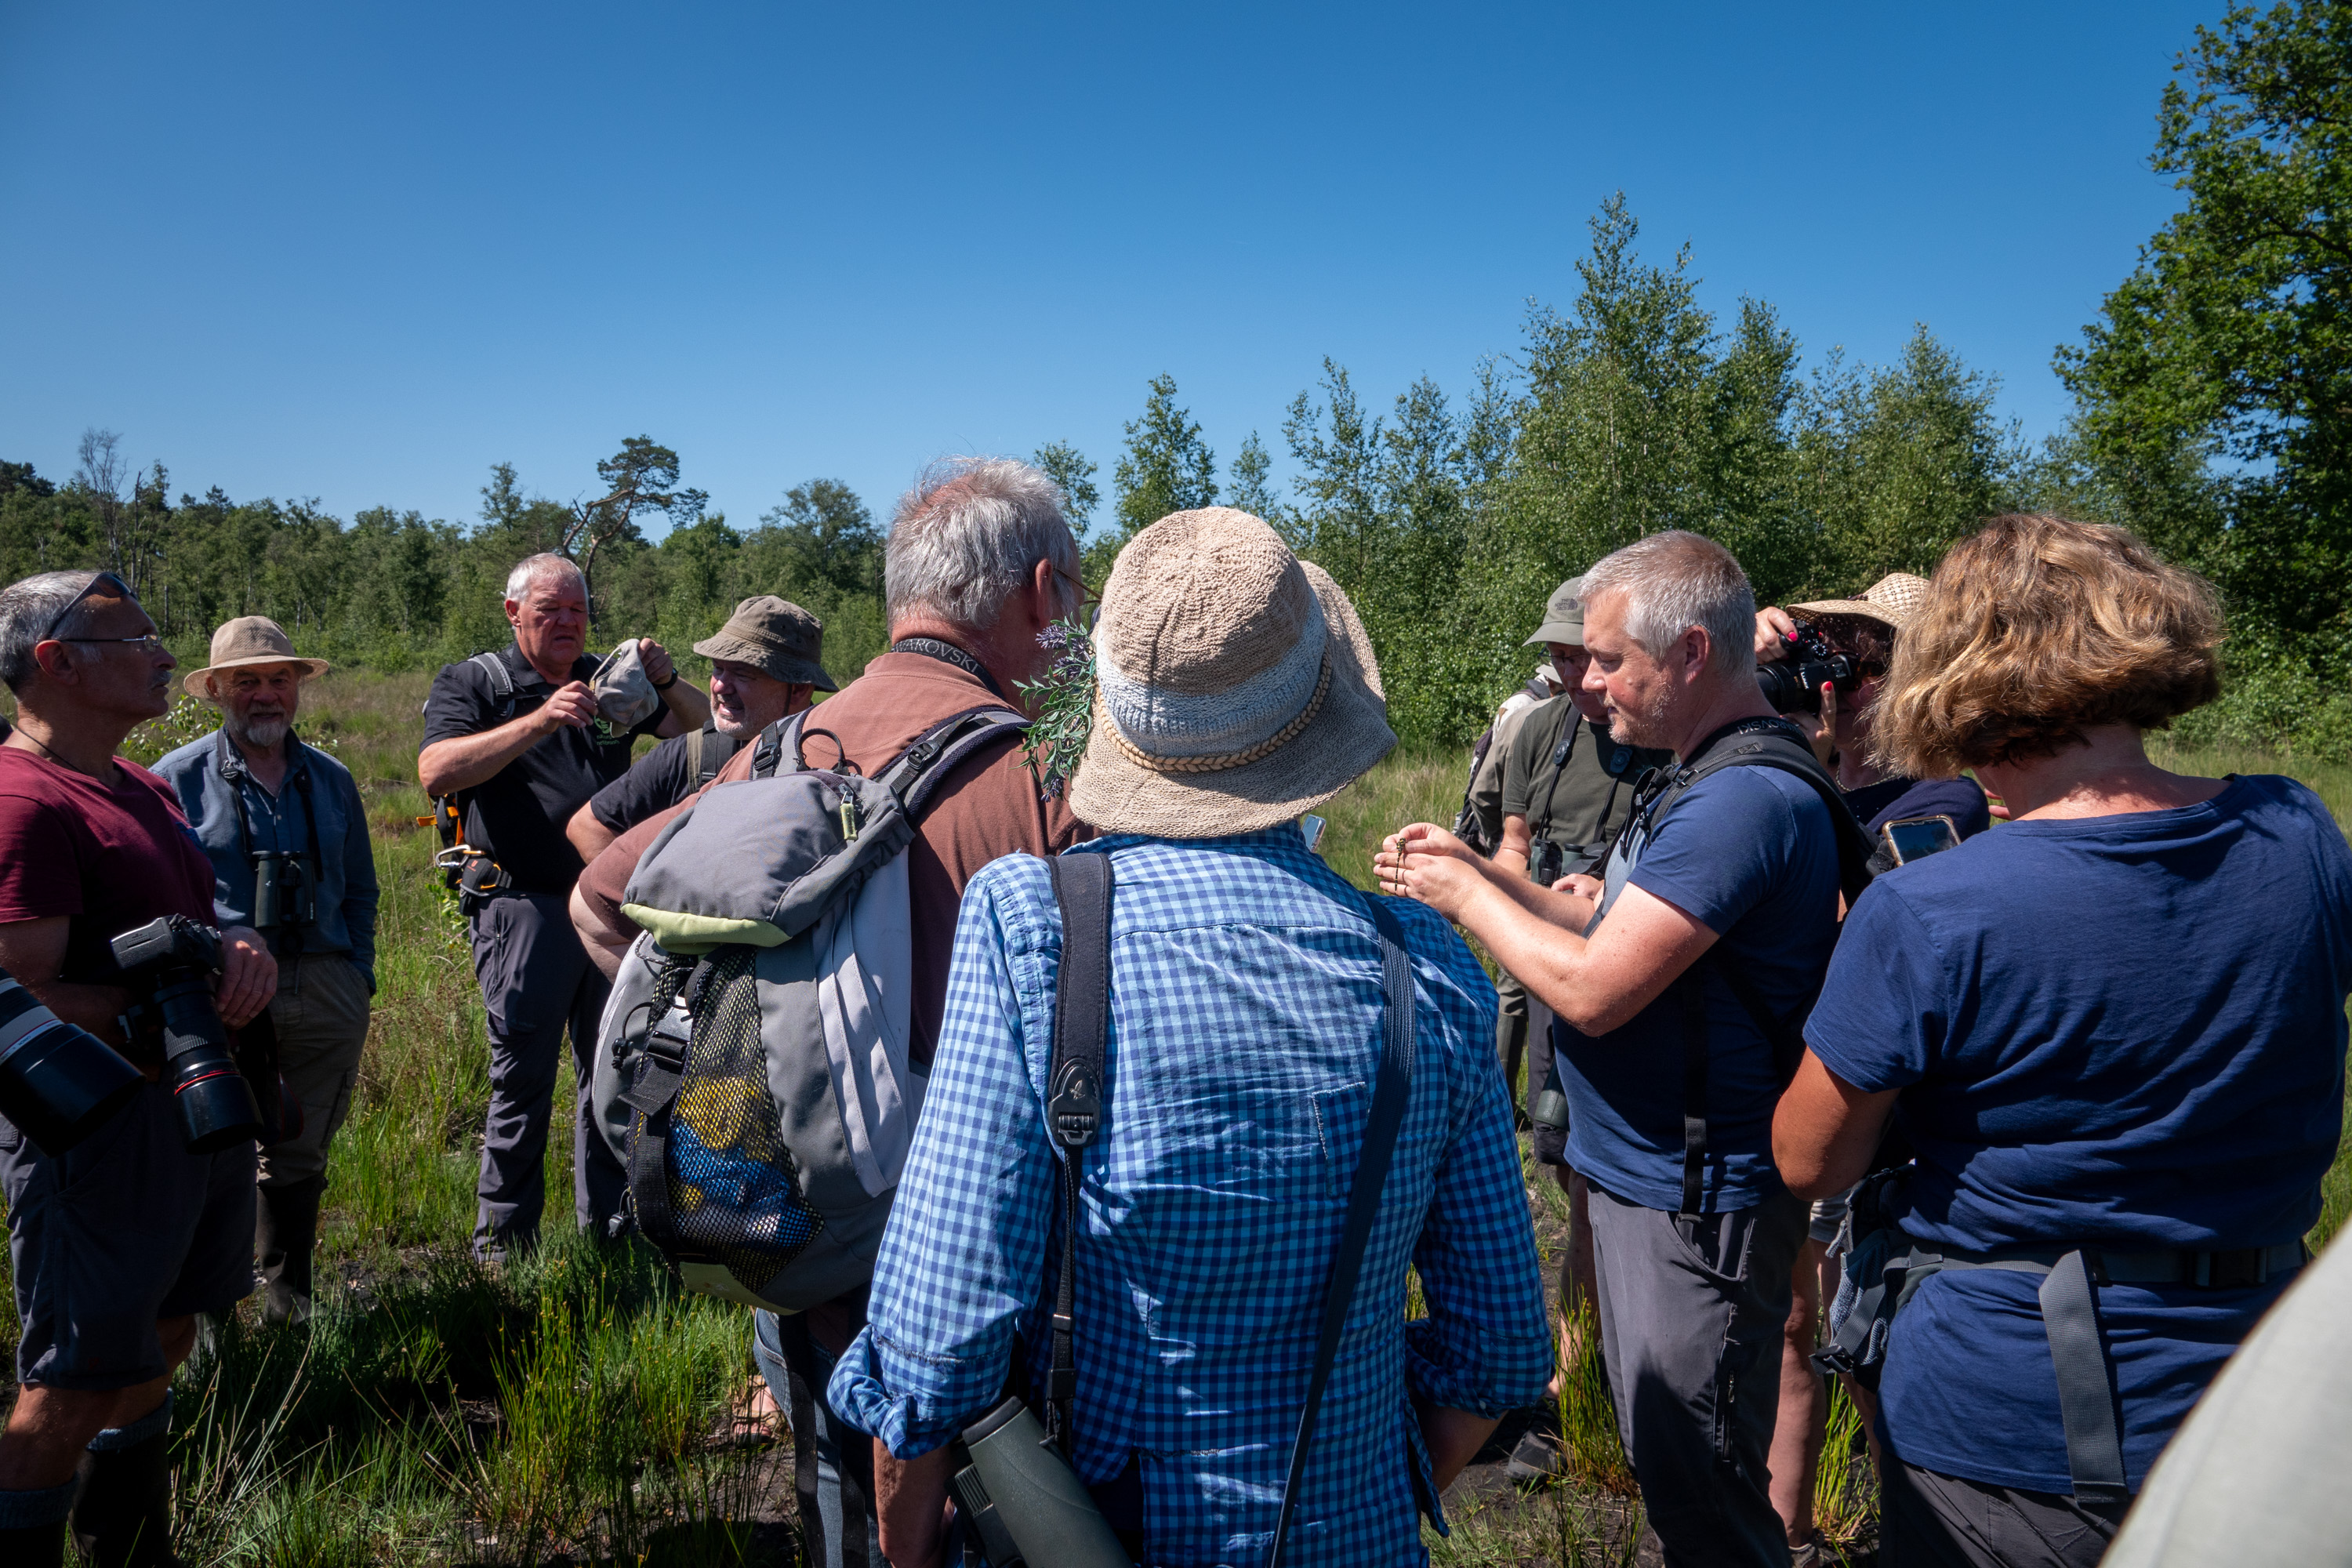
{"x":1893,"y":598}
{"x":1235,"y":688}
{"x":247,"y":640}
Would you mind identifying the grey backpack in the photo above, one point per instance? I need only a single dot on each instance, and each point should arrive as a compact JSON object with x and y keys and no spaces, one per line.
{"x":753,"y":1069}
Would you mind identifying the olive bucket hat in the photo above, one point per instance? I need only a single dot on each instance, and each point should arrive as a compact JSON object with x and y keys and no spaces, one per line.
{"x":775,"y":636}
{"x":1234,"y":687}
{"x":1563,"y":620}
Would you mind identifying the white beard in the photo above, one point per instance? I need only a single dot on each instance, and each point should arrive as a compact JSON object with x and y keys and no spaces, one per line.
{"x":261,"y":735}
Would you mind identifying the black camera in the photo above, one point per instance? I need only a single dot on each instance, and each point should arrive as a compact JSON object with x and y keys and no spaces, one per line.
{"x":58,"y":1083}
{"x":1792,"y":684}
{"x":1548,"y":862}
{"x":172,"y":962}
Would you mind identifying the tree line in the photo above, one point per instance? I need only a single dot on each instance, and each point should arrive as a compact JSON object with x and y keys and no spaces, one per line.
{"x":2212,"y":405}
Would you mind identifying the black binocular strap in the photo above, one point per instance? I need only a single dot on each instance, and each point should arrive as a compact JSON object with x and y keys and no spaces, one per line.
{"x":1389,"y":1099}
{"x":1074,"y":1107}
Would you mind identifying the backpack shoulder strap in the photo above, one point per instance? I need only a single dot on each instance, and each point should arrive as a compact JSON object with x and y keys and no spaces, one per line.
{"x":767,"y":750}
{"x":694,"y":756}
{"x":1750,"y":742}
{"x":1389,"y":1100}
{"x":1074,"y":1107}
{"x":502,"y":681}
{"x":936,"y":753}
{"x":1775,"y":743}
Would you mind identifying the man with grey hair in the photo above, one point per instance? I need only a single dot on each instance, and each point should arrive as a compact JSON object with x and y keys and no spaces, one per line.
{"x":978,"y":562}
{"x":1679,"y":980}
{"x":117,"y":1242}
{"x":517,"y":738}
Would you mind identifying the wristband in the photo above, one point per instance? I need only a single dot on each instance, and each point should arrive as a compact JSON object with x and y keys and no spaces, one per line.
{"x":666,"y":685}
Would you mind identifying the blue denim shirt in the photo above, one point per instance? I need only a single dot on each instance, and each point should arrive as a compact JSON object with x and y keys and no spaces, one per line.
{"x":1245,"y":1039}
{"x":347,"y":886}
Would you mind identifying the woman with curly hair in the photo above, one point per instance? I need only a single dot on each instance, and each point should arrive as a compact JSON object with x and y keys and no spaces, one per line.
{"x":2113,"y":1031}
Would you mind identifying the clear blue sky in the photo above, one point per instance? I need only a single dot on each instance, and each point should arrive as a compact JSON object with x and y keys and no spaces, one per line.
{"x":361,"y":252}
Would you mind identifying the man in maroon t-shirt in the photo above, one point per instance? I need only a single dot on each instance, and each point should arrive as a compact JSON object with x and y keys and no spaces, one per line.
{"x":107,"y":1280}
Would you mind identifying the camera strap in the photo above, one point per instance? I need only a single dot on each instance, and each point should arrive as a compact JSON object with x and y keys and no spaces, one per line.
{"x":1074,"y":1108}
{"x":1389,"y":1099}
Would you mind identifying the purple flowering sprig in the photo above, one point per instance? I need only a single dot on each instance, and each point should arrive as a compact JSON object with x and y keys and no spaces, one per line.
{"x":1062,"y":704}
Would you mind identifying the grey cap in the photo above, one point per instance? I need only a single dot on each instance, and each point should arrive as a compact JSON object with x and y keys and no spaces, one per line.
{"x":1563,"y":620}
{"x":775,"y":636}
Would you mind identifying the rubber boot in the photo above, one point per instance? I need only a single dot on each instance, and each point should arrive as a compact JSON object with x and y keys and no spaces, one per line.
{"x":285,"y":1231}
{"x":36,"y":1546}
{"x":33,"y":1526}
{"x":123,"y":1517}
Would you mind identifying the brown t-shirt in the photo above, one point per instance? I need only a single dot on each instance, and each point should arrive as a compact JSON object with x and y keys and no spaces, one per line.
{"x":987,"y":808}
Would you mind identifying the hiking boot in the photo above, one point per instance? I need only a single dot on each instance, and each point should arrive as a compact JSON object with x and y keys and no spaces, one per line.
{"x":1538,"y":1461}
{"x":285,"y":1234}
{"x":123,"y":1517}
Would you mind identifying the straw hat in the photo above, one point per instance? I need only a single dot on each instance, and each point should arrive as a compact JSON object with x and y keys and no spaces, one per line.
{"x":1234,"y":687}
{"x":250,"y":639}
{"x":1893,"y":598}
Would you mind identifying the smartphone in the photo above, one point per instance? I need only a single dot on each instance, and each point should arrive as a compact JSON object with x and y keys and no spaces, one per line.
{"x":1916,"y":837}
{"x":1310,"y":828}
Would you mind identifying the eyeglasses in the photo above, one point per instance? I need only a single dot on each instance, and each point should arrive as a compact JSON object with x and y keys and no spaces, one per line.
{"x":1089,"y":601}
{"x":148,"y":642}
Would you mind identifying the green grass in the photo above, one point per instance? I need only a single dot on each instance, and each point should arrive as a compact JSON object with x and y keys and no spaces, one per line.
{"x":565,"y":1408}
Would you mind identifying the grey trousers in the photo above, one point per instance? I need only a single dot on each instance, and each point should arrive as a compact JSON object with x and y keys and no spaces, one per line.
{"x":1691,"y":1308}
{"x":321,"y":1013}
{"x":536,"y":983}
{"x":1931,"y":1520}
{"x":833,"y":1462}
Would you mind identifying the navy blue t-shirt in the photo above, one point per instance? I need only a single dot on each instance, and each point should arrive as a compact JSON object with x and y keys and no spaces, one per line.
{"x":1894,"y":800}
{"x":1749,"y":853}
{"x":2121,"y":1030}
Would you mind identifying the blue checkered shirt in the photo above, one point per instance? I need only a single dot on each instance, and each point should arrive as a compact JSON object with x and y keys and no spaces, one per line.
{"x":1245,"y":1039}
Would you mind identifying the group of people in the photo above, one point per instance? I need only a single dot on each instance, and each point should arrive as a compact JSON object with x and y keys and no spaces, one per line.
{"x":2072,"y":1082}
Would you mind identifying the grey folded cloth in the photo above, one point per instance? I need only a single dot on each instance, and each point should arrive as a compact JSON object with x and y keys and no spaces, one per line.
{"x":625,"y":693}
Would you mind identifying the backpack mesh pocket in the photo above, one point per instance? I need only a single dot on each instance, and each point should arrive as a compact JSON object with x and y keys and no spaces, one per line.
{"x":734,"y":1188}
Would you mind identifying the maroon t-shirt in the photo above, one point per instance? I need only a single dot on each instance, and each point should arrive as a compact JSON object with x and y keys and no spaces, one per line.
{"x":109,"y":856}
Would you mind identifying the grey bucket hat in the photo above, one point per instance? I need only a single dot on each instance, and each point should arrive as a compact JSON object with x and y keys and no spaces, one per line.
{"x":1234,"y":687}
{"x":1563,"y":620}
{"x":775,"y":636}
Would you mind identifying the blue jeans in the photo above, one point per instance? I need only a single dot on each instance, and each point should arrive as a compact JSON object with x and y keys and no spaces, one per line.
{"x":833,"y":1462}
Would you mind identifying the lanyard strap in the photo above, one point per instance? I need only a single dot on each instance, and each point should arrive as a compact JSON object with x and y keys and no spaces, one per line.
{"x":948,"y":653}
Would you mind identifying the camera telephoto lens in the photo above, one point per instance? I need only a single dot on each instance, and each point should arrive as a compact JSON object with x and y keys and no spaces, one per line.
{"x":216,"y":1103}
{"x":179,"y":957}
{"x":58,"y":1083}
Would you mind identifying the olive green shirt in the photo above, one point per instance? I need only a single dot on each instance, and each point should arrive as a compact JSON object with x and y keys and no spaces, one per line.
{"x":1578,"y":806}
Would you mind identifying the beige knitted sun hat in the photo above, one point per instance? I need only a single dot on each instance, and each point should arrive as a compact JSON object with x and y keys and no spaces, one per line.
{"x":1893,"y":598}
{"x":1234,"y":687}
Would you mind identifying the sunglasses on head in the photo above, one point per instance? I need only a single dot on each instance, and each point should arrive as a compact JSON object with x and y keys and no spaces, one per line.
{"x":116,"y":587}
